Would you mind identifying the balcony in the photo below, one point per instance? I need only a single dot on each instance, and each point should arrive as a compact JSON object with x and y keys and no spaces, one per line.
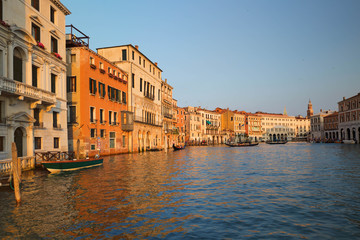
{"x":168,"y":115}
{"x":127,"y":121}
{"x":152,"y":122}
{"x":149,"y":96}
{"x":76,"y":41}
{"x":20,"y":89}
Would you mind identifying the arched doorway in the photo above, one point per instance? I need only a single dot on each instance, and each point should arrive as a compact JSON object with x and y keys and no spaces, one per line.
{"x":354,"y":134}
{"x":18,"y":139}
{"x":348,"y":134}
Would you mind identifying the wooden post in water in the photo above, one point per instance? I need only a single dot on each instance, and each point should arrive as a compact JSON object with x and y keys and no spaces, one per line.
{"x":78,"y":149}
{"x":16,"y":174}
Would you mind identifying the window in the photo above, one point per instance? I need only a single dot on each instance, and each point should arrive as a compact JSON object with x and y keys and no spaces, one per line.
{"x":141,"y":84}
{"x":71,"y":84}
{"x":37,"y":117}
{"x":139,"y":60}
{"x":52,"y":14}
{"x":56,"y":142}
{"x":101,"y":65}
{"x":133,"y":55}
{"x":110,"y":117}
{"x":133,"y":80}
{"x":115,"y":118}
{"x":112,"y":139}
{"x":53,"y":83}
{"x":35,"y":32}
{"x":37,"y":142}
{"x":101,"y":115}
{"x":72,"y":114}
{"x":101,"y":90}
{"x":93,"y":132}
{"x":54,"y":45}
{"x":35,"y":4}
{"x":35,"y":76}
{"x":150,"y":68}
{"x":92,"y":147}
{"x":73,"y":58}
{"x":124,"y":97}
{"x":124,"y":138}
{"x":92,"y":83}
{"x":159,"y":94}
{"x":124,"y":55}
{"x":55,"y":120}
{"x":109,"y":70}
{"x":102,"y":133}
{"x":92,"y":61}
{"x":92,"y":114}
{"x":144,"y":62}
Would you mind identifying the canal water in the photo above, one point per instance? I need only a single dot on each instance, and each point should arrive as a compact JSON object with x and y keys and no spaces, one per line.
{"x":292,"y":191}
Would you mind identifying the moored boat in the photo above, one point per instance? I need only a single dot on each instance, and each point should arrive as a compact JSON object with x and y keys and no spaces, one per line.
{"x":176,"y":148}
{"x":70,"y":165}
{"x":244,"y":144}
{"x":276,"y":142}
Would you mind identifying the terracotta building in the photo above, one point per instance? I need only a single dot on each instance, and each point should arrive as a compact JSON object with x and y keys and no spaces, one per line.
{"x":98,"y":121}
{"x":331,"y":127}
{"x":144,"y":89}
{"x":32,"y":77}
{"x":180,"y":124}
{"x":253,"y":126}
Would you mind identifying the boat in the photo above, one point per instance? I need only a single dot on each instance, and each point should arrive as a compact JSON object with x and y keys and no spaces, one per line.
{"x":241,"y":140}
{"x":70,"y":165}
{"x":242,"y":144}
{"x":277,"y":142}
{"x":176,"y":148}
{"x":349,"y":142}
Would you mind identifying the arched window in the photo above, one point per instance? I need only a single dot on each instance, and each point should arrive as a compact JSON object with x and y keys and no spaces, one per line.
{"x":18,"y":65}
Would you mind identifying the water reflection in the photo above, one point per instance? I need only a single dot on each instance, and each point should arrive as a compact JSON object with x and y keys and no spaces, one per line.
{"x":291,"y":191}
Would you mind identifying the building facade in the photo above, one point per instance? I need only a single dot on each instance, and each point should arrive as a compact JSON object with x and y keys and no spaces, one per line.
{"x":211,"y":126}
{"x":277,"y":126}
{"x":144,"y":89}
{"x":253,"y":126}
{"x":32,"y":77}
{"x":317,"y":125}
{"x":98,"y":121}
{"x":193,"y":120}
{"x":169,"y":121}
{"x":349,"y":118}
{"x":180,"y":124}
{"x":331,"y":127}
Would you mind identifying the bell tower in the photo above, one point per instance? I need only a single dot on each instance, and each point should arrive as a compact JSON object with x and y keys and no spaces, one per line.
{"x":310,"y":110}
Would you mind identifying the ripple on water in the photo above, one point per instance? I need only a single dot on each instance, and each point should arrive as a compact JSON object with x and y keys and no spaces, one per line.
{"x":266,"y":192}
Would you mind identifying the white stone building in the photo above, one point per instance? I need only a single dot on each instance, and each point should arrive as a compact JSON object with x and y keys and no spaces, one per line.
{"x":349,"y":118}
{"x":33,"y":109}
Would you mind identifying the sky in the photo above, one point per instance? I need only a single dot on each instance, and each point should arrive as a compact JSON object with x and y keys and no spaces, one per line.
{"x":251,"y":55}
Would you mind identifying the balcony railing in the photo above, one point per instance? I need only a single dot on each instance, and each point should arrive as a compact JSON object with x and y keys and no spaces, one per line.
{"x":149,"y":96}
{"x":147,"y":121}
{"x":168,"y":115}
{"x":21,"y":89}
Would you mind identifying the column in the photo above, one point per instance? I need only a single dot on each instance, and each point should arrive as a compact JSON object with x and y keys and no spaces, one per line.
{"x":28,"y":69}
{"x":10,"y":70}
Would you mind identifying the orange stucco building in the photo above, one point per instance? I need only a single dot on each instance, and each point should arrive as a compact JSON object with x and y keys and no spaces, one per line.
{"x":97,"y":95}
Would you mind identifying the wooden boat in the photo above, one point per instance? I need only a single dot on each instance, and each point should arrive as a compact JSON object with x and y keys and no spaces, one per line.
{"x":244,"y":144}
{"x":176,"y":148}
{"x":276,"y":142}
{"x":70,"y":165}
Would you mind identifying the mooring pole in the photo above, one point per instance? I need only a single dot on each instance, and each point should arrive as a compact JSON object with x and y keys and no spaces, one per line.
{"x":16,"y":173}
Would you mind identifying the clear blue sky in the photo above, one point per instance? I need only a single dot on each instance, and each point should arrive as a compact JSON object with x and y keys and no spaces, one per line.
{"x":246,"y":55}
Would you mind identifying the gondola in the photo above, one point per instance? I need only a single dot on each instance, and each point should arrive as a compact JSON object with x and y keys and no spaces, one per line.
{"x":176,"y":148}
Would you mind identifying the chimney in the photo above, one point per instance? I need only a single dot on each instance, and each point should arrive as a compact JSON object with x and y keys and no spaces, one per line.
{"x":137,"y":47}
{"x":320,"y":110}
{"x":343,"y":98}
{"x":155,"y":63}
{"x":165,"y":80}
